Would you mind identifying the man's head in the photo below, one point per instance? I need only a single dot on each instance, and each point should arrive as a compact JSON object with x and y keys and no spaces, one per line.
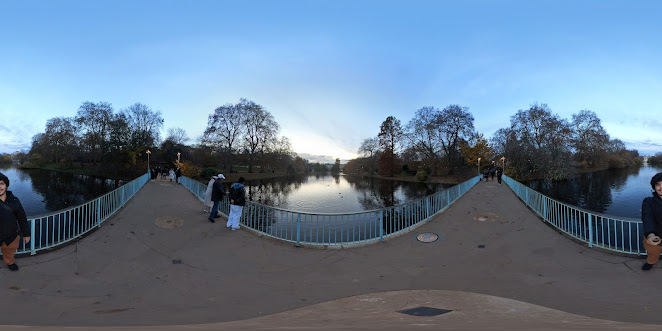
{"x":656,"y":183}
{"x":241,"y":180}
{"x":220,"y":176}
{"x":4,"y":184}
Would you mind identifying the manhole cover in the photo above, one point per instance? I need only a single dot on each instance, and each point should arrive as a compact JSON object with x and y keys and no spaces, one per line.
{"x":424,"y":311}
{"x":427,"y":237}
{"x":482,"y":217}
{"x":169,"y":222}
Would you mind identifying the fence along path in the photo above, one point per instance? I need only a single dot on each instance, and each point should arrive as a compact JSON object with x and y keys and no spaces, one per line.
{"x":339,"y":229}
{"x":60,"y":227}
{"x":158,"y":261}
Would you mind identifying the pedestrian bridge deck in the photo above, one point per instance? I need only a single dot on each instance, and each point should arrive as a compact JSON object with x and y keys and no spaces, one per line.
{"x":510,"y":271}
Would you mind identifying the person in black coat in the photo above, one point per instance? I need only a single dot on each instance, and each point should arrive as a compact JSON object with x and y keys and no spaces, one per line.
{"x":217,"y":195}
{"x":237,"y":203}
{"x":12,"y":221}
{"x":651,"y":217}
{"x":178,"y":173}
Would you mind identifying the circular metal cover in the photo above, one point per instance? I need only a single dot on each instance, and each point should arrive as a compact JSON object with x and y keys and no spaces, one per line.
{"x":482,"y":217}
{"x":427,"y":237}
{"x":169,"y":222}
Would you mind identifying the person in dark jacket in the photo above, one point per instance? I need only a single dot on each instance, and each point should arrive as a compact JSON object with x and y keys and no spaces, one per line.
{"x":178,"y":173}
{"x":12,"y":221}
{"x":237,"y":203}
{"x":499,"y":174}
{"x":217,"y":195}
{"x":651,"y":216}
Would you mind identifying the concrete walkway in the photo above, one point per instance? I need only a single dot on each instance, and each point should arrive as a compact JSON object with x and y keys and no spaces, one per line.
{"x":159,"y":264}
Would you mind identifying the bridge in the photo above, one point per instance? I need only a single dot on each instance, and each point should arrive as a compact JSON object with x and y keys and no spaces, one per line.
{"x":157,"y":263}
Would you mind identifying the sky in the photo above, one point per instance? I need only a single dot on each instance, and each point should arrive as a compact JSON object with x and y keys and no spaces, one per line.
{"x":330,"y":72}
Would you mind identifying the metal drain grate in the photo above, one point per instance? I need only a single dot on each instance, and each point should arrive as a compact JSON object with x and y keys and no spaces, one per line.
{"x":424,"y":311}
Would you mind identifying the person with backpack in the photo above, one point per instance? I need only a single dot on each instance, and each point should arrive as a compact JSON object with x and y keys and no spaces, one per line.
{"x":237,"y":203}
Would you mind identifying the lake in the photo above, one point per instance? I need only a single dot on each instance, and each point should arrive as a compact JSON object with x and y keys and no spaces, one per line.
{"x":612,"y":192}
{"x":43,"y":191}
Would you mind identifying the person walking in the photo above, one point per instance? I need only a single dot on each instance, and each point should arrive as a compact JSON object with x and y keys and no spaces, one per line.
{"x":208,"y":203}
{"x":499,"y":174}
{"x":651,"y":217}
{"x":171,"y":175}
{"x":217,"y":194}
{"x":178,"y":173}
{"x":12,"y":221}
{"x":237,"y":203}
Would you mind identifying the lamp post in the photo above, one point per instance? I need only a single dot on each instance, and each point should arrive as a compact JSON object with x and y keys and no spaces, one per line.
{"x":178,"y":154}
{"x":148,"y":152}
{"x":503,"y":163}
{"x":479,"y":166}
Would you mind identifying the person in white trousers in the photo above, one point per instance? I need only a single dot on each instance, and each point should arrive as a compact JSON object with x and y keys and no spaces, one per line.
{"x":237,"y":203}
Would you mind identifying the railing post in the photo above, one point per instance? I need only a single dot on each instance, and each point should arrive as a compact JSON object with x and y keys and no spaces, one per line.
{"x":590,"y":230}
{"x":427,"y":207}
{"x":99,"y":212}
{"x":381,"y":225}
{"x":122,"y":196}
{"x":544,"y":208}
{"x":298,"y":244}
{"x":33,"y":237}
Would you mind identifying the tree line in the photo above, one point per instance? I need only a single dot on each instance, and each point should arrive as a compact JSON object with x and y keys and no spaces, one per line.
{"x":537,"y":144}
{"x":243,"y":135}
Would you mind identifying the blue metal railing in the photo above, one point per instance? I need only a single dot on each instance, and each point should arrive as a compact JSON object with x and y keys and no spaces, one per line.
{"x":621,"y":235}
{"x":338,"y":229}
{"x":57,"y":228}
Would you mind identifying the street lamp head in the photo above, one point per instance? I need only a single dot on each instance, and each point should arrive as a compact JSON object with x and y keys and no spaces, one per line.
{"x":148,"y":152}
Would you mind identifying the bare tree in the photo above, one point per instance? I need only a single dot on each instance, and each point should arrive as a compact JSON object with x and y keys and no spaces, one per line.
{"x":94,"y":119}
{"x":177,"y":136}
{"x":224,"y":128}
{"x":454,"y":124}
{"x":369,"y":147}
{"x":260,"y":128}
{"x":61,"y":136}
{"x":590,"y":140}
{"x":145,"y":125}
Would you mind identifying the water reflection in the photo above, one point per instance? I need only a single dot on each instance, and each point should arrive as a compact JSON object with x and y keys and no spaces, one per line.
{"x":335,"y":194}
{"x":44,"y":191}
{"x":613,"y":192}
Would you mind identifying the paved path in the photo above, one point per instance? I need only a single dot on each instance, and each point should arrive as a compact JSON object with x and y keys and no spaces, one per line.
{"x":527,"y":276}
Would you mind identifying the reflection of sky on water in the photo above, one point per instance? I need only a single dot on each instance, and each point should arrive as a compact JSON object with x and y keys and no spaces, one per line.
{"x":612,"y":192}
{"x":340,"y":194}
{"x":44,"y":191}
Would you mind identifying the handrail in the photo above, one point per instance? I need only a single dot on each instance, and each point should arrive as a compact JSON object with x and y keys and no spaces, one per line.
{"x":338,"y":229}
{"x":595,"y":229}
{"x":60,"y":227}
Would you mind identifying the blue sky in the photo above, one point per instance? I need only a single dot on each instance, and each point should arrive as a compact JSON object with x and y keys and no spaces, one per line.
{"x":331,"y":71}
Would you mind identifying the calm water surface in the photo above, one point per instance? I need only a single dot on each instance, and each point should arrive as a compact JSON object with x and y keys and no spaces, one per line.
{"x":336,"y":194}
{"x":611,"y":192}
{"x":45,"y":191}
